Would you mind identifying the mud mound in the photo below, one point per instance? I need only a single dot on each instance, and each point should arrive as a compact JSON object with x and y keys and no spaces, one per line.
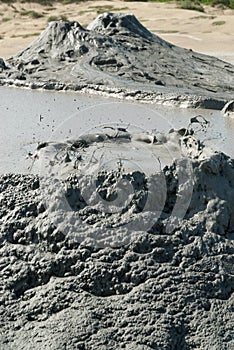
{"x":110,"y":24}
{"x":116,"y":54}
{"x":164,"y":289}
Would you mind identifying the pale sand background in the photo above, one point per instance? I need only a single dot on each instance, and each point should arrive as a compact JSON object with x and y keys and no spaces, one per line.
{"x":189,"y":29}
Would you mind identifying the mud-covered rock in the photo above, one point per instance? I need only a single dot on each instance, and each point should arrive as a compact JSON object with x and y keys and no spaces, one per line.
{"x":228,"y":109}
{"x":2,"y":64}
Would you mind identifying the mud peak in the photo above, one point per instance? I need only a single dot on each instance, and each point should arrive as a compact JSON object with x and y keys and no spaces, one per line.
{"x":60,"y":28}
{"x":112,"y":23}
{"x":60,"y":40}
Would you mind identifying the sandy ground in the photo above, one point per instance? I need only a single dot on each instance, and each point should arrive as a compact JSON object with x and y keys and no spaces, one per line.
{"x":209,"y":32}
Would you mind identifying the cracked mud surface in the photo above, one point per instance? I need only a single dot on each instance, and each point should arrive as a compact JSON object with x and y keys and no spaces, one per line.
{"x":118,"y":56}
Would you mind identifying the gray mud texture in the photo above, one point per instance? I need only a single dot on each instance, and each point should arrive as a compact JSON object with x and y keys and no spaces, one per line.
{"x":164,"y":290}
{"x":118,"y":56}
{"x":228,"y":109}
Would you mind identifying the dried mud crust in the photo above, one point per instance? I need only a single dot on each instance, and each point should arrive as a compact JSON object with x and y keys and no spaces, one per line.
{"x":162,"y":291}
{"x":118,"y":56}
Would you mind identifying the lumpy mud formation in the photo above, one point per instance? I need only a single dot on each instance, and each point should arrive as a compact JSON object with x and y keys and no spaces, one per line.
{"x":164,"y":289}
{"x":118,"y":56}
{"x":97,"y":254}
{"x":90,"y":152}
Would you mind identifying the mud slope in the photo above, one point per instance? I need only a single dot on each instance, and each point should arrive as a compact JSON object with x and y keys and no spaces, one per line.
{"x":116,"y":54}
{"x":164,"y":290}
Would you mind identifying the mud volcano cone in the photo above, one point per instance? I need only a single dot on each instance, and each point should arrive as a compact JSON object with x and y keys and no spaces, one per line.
{"x":117,"y":54}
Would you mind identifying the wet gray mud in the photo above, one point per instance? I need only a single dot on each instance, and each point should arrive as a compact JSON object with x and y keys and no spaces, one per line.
{"x":96,"y":253}
{"x":118,"y":56}
{"x":168,"y":287}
